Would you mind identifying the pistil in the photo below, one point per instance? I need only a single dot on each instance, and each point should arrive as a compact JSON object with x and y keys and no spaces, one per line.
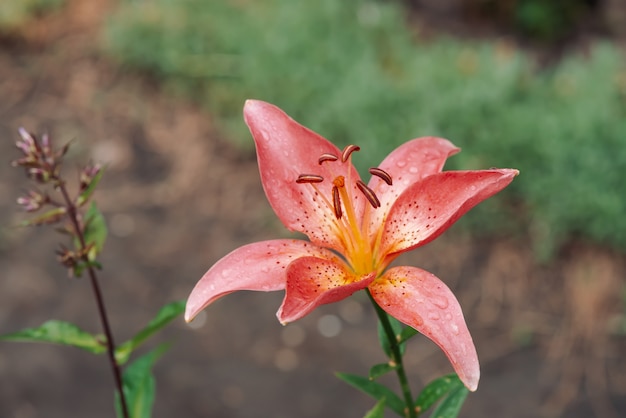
{"x":359,"y":252}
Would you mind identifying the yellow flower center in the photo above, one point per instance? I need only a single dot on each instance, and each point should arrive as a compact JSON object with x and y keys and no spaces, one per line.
{"x":360,"y":254}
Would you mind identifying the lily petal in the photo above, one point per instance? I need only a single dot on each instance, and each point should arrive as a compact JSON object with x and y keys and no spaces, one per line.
{"x":407,"y":164}
{"x":260,"y":266}
{"x":286,"y":149}
{"x":419,"y":299}
{"x":312,"y":282}
{"x":427,"y":208}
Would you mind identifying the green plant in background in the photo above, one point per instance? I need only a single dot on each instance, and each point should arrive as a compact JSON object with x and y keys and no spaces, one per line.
{"x":356,"y":73}
{"x":79,"y":218}
{"x":13,"y":13}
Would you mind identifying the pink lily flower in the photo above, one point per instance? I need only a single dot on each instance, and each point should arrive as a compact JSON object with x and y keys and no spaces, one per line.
{"x":355,"y":230}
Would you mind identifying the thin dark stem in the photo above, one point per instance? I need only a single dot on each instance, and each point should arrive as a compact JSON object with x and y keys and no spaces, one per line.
{"x":117,"y":375}
{"x":396,"y":355}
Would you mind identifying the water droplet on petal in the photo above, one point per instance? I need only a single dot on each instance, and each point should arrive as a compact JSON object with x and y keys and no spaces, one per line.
{"x":472,"y":188}
{"x":448,"y":316}
{"x":265,"y":269}
{"x":439,"y":301}
{"x":226,"y":273}
{"x":401,"y":163}
{"x":434,"y":316}
{"x":413,"y":170}
{"x":455,"y":329}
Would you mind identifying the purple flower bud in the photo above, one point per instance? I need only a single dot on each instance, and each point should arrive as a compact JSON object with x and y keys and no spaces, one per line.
{"x":28,"y":144}
{"x":88,"y":173}
{"x":33,"y":201}
{"x":45,"y":143}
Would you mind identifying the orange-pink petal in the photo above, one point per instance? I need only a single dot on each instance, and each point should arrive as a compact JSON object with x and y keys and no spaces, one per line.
{"x":419,"y":299}
{"x":286,"y":149}
{"x":260,"y":266}
{"x":312,"y":282}
{"x":432,"y":205}
{"x":407,"y":164}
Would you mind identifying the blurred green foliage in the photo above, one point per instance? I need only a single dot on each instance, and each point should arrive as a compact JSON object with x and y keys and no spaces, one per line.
{"x":355,"y":72}
{"x":14,"y":13}
{"x":540,"y":20}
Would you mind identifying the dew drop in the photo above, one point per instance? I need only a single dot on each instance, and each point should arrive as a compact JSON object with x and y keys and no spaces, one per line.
{"x":417,"y":321}
{"x":434,"y":316}
{"x":448,"y":316}
{"x":413,"y":170}
{"x":401,"y":163}
{"x":472,"y":188}
{"x":455,"y":329}
{"x":440,"y":301}
{"x":226,"y":273}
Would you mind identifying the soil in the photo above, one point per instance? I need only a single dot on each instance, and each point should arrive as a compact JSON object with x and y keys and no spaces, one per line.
{"x":178,"y":197}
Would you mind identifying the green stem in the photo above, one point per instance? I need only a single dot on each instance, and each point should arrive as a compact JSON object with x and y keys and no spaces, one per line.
{"x":110,"y":345}
{"x":396,"y":357}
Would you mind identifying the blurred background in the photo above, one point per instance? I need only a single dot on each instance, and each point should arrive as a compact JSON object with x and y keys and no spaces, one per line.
{"x":155,"y":88}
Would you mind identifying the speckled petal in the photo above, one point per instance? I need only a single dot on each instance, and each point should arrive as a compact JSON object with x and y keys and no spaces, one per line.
{"x":286,"y":149}
{"x":432,"y":205}
{"x":312,"y":282}
{"x":422,"y":301}
{"x":260,"y":266}
{"x":407,"y":164}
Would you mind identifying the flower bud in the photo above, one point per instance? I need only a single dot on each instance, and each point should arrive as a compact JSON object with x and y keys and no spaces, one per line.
{"x":33,"y":201}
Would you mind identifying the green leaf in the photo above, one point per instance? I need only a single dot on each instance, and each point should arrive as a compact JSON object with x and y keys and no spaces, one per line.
{"x":375,"y":390}
{"x":95,"y":230}
{"x":59,"y":332}
{"x":378,"y":411}
{"x":451,"y":405}
{"x":81,"y":266}
{"x":436,"y":390}
{"x":167,"y":313}
{"x":406,"y":334}
{"x":396,"y":326}
{"x":86,"y":194}
{"x":49,"y":217}
{"x":378,"y":370}
{"x":139,"y":385}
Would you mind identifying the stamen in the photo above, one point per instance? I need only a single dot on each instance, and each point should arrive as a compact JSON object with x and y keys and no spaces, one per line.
{"x":380,"y":173}
{"x":309,"y":178}
{"x":327,"y":157}
{"x":347,"y":151}
{"x":369,"y":194}
{"x":337,"y":202}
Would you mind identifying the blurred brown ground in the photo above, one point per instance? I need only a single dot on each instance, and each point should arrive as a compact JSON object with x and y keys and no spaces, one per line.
{"x":178,"y":197}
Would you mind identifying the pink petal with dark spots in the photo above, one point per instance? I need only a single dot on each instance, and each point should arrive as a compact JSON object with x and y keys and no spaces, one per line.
{"x":312,"y":282}
{"x":430,"y":206}
{"x":419,"y":299}
{"x":407,"y":164}
{"x":286,"y":149}
{"x":260,"y":266}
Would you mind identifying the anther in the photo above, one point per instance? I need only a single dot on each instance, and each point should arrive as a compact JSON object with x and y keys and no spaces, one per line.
{"x":380,"y":173}
{"x":309,"y":178}
{"x":369,"y":194}
{"x":347,"y":151}
{"x":337,"y":202}
{"x":327,"y":157}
